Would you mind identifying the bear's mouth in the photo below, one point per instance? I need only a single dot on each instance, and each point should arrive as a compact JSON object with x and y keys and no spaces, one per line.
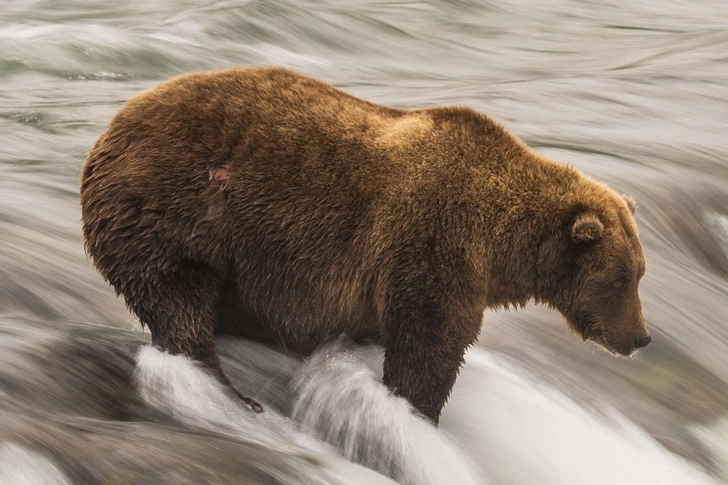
{"x":601,"y":343}
{"x":593,"y":331}
{"x":590,"y":329}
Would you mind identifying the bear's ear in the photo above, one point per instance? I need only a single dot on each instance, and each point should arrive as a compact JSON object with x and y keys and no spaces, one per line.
{"x":630,"y":203}
{"x":586,"y":228}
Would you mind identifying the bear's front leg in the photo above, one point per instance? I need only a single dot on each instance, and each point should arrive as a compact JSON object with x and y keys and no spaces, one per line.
{"x":425,"y":339}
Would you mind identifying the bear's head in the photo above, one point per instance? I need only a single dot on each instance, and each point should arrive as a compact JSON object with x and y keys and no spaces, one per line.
{"x":601,"y":263}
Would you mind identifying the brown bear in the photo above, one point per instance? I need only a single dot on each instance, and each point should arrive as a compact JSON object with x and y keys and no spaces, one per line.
{"x":267,"y":204}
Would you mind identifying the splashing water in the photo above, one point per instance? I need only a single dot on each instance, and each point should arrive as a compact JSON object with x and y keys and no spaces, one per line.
{"x":503,"y":416}
{"x":176,"y":385}
{"x":499,"y":427}
{"x":20,"y":466}
{"x":343,"y":402}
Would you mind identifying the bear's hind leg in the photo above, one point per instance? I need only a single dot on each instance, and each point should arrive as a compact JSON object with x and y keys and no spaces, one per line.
{"x":179,"y":307}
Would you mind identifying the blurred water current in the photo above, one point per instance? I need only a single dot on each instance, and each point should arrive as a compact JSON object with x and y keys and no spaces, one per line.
{"x":634,"y":94}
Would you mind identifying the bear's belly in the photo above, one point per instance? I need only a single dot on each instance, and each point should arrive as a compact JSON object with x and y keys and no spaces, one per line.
{"x":291,"y":328}
{"x":307,"y":340}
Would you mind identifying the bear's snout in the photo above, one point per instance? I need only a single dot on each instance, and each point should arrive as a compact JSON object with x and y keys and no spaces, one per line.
{"x":643,"y":342}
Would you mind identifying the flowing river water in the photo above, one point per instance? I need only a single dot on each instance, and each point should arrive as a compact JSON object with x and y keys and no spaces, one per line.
{"x":634,"y":94}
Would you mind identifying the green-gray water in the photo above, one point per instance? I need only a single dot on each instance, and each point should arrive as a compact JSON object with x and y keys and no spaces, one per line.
{"x":635,"y":95}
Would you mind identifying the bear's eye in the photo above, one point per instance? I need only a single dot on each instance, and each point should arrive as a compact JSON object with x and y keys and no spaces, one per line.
{"x":617,"y":284}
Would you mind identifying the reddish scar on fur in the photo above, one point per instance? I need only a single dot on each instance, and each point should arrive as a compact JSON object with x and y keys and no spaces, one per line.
{"x":219,"y":173}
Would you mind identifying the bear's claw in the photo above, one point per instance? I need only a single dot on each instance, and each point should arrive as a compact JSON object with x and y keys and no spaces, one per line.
{"x":252,"y":404}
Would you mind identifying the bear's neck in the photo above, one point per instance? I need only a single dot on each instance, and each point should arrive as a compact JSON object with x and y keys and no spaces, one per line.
{"x":523,"y":204}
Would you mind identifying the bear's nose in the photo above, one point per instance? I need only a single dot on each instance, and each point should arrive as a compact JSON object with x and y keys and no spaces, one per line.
{"x":642,"y":342}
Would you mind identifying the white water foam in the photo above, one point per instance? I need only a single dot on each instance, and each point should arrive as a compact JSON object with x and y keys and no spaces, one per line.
{"x":341,"y":401}
{"x":177,"y":386}
{"x":508,"y":428}
{"x":715,"y":437}
{"x":719,"y":224}
{"x":19,"y":466}
{"x":524,"y":433}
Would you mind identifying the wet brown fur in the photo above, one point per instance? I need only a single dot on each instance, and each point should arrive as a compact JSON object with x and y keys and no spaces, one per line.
{"x":263,"y":203}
